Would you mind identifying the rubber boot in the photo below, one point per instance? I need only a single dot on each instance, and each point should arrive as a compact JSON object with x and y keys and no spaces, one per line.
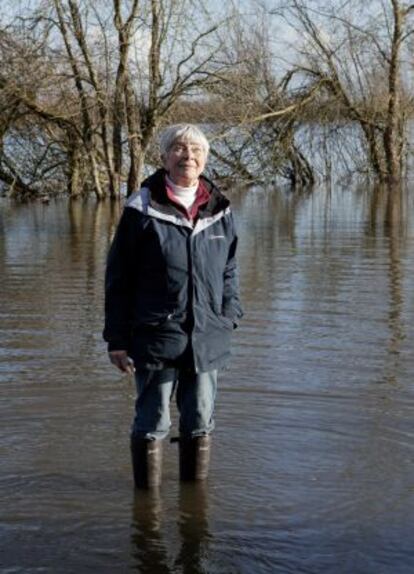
{"x":146,"y":462}
{"x":194,"y":457}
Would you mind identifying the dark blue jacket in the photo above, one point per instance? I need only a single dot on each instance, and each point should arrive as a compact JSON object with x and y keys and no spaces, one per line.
{"x":172,"y":287}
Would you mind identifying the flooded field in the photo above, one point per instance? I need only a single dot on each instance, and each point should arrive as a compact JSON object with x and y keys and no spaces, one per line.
{"x":312,"y":468}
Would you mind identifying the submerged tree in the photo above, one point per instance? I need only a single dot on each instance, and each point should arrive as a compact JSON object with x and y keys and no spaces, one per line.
{"x":358,"y":50}
{"x":86,"y":85}
{"x":112,"y":75}
{"x":259,"y":112}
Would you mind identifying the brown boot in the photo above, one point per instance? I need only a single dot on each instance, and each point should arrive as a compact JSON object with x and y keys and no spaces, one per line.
{"x":146,"y":462}
{"x":194,"y":457}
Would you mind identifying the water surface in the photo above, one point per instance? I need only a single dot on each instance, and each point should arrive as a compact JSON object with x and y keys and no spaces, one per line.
{"x":312,"y":468}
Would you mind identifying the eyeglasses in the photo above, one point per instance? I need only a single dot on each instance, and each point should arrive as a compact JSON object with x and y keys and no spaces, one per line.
{"x":181,"y":148}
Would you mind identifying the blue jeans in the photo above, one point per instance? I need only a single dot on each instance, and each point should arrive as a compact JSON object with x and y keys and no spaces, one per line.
{"x":195,"y":396}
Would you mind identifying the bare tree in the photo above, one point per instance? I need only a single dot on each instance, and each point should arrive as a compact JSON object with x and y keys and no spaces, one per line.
{"x":112,"y":75}
{"x":181,"y":58}
{"x":258,"y":113}
{"x":86,"y":85}
{"x":31,"y":161}
{"x":356,"y":49}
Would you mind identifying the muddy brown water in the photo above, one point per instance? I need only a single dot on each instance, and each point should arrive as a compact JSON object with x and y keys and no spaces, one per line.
{"x":312,"y":468}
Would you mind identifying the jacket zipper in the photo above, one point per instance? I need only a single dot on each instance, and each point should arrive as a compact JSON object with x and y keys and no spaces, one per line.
{"x":191,"y":294}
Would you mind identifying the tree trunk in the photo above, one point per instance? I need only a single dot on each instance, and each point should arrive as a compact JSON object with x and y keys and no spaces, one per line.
{"x":391,"y":143}
{"x":136,"y":151}
{"x":375,"y":152}
{"x":136,"y":171}
{"x":124,"y":101}
{"x":75,"y":184}
{"x":80,"y":38}
{"x":87,"y":122}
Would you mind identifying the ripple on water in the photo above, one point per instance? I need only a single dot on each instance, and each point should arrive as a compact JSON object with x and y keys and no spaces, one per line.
{"x":313,"y":457}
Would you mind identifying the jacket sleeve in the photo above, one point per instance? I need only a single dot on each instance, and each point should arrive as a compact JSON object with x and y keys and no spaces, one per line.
{"x":119,"y":282}
{"x":232,"y":307}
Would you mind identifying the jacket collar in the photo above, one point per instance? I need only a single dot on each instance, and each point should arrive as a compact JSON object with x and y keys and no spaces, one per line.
{"x":152,"y":200}
{"x":159,"y":201}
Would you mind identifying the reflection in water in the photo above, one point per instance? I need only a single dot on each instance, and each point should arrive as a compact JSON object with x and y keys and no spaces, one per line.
{"x":387,"y":204}
{"x":394,"y":225}
{"x":193,"y":525}
{"x":148,"y":541}
{"x":148,"y":550}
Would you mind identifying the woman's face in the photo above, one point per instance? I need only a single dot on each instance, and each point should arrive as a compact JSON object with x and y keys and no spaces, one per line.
{"x":184,"y":162}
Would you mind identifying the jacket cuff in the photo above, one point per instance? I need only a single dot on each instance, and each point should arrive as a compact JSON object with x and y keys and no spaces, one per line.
{"x":117,"y":345}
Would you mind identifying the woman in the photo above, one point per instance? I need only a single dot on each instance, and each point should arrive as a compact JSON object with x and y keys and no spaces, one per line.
{"x":172,"y":302}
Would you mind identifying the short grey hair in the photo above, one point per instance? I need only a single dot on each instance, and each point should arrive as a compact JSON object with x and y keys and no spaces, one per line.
{"x":186,"y":132}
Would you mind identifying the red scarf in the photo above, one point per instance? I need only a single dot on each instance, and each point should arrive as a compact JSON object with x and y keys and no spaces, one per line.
{"x":202,"y":197}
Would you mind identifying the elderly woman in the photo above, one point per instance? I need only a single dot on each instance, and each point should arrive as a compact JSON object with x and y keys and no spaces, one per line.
{"x":172,"y":302}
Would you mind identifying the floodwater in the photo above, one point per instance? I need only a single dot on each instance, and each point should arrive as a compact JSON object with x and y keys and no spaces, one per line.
{"x":312,"y":468}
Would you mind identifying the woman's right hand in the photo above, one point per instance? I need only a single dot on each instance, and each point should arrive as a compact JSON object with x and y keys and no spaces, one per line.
{"x":121,"y":360}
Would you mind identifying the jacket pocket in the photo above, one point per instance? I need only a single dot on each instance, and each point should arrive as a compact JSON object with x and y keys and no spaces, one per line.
{"x":228,"y":323}
{"x":224,"y":321}
{"x":153,"y":323}
{"x":153,"y":318}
